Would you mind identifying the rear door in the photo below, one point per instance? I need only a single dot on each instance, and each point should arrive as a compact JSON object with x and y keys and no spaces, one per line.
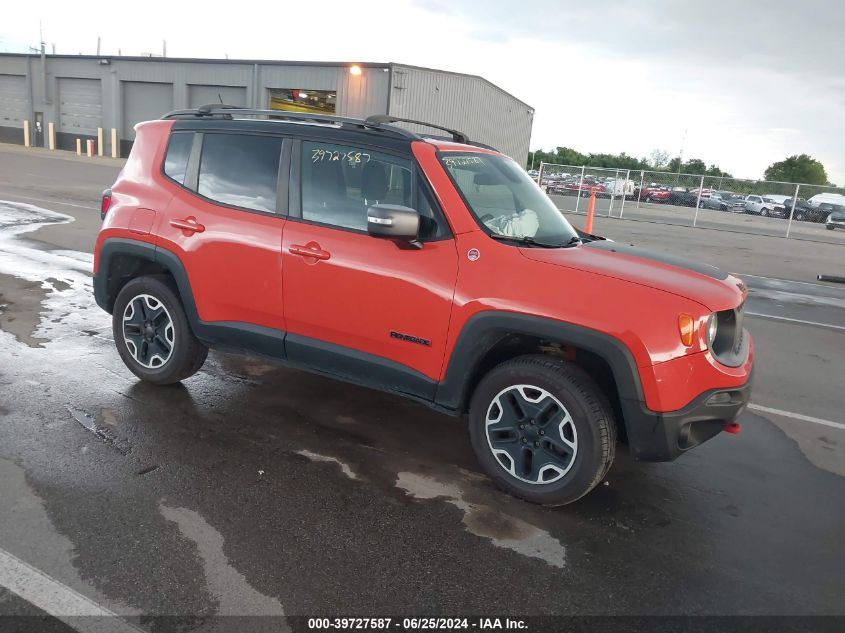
{"x":357,"y":305}
{"x":225,"y":224}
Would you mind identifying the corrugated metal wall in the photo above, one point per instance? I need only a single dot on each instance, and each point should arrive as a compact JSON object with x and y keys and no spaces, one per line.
{"x":201,"y":95}
{"x":469,"y":104}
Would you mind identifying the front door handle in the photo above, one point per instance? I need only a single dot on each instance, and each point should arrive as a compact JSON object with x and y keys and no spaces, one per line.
{"x":189,"y":224}
{"x":312,"y":249}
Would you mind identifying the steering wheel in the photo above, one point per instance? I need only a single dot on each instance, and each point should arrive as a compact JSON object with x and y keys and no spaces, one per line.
{"x":486,"y":217}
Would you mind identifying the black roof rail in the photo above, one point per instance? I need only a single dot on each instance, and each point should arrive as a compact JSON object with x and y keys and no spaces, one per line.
{"x":377,"y":120}
{"x":226,"y":111}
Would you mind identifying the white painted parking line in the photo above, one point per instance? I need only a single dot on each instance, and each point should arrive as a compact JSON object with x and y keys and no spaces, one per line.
{"x":791,"y":281}
{"x":802,"y":321}
{"x":797,"y":416}
{"x":57,"y":599}
{"x":67,"y":204}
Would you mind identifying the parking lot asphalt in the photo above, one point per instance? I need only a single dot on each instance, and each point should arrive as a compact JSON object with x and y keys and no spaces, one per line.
{"x":254,"y":489}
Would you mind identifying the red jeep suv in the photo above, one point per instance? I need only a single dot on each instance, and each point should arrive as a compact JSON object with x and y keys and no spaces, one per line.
{"x":430,"y":267}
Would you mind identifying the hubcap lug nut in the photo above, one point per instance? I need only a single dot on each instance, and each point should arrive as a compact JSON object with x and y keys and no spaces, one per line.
{"x":542,"y":432}
{"x":536,"y":443}
{"x":524,"y":440}
{"x":521,"y":427}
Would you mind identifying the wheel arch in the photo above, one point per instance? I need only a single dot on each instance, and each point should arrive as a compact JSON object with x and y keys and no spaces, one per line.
{"x":490,"y":338}
{"x":122,"y":260}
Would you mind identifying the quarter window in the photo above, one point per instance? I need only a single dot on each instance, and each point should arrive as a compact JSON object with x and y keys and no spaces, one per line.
{"x":178,"y":152}
{"x":240,"y":170}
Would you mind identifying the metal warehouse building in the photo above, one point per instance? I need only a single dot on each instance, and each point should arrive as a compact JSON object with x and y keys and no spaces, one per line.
{"x":80,"y":94}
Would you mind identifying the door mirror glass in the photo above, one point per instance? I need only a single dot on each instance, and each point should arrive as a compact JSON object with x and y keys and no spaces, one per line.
{"x":393,"y":221}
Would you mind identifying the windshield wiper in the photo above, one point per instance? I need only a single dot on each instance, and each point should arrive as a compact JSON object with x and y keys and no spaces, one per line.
{"x":530,"y":241}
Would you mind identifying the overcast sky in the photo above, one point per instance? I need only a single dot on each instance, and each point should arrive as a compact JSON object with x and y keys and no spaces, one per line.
{"x":751,"y":82}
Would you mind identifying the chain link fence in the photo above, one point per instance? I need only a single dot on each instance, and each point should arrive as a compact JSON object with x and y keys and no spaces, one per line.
{"x":756,"y":207}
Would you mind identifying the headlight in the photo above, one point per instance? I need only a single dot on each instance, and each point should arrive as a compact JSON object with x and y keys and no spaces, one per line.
{"x":712,"y":329}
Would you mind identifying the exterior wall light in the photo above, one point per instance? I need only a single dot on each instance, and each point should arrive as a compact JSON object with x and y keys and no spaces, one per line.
{"x":355,"y":70}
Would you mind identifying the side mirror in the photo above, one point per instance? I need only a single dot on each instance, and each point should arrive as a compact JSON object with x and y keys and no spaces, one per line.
{"x":393,"y":221}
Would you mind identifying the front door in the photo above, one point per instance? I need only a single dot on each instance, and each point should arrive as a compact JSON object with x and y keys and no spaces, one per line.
{"x":355,"y":305}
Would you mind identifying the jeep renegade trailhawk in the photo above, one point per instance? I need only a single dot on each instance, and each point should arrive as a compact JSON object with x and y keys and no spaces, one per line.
{"x":431,"y":267}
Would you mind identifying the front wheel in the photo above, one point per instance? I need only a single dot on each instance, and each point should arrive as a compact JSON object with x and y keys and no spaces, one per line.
{"x":764,"y":213}
{"x":829,"y":227}
{"x":542,"y":429}
{"x":152,"y":333}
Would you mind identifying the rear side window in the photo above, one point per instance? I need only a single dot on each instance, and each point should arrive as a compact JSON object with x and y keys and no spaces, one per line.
{"x":178,"y":152}
{"x":240,"y":170}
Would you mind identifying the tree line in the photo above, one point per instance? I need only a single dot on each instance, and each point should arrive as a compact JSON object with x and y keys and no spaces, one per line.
{"x":799,"y":168}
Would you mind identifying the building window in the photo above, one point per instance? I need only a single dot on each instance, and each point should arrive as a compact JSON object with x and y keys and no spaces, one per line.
{"x":303,"y":100}
{"x":240,"y":170}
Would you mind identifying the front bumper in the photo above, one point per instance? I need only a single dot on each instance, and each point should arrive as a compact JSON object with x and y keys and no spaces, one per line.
{"x":840,"y":224}
{"x":664,"y":436}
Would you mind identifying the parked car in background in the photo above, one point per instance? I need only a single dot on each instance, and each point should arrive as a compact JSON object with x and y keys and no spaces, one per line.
{"x":826,"y":209}
{"x":585,"y":186}
{"x":803,"y":211}
{"x":778,"y":198}
{"x":618,"y":188}
{"x":832,"y":198}
{"x":682,"y":197}
{"x":721,"y":201}
{"x":836,"y":218}
{"x":652,"y":193}
{"x":761,"y":205}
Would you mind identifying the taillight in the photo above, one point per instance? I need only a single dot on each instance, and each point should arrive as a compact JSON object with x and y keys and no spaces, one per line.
{"x":105,"y":203}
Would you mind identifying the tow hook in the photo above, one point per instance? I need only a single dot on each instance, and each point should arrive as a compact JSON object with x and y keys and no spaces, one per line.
{"x":732,"y":427}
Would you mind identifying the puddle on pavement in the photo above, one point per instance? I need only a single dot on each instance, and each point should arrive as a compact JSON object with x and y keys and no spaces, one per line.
{"x":502,"y":530}
{"x":86,"y":421}
{"x":235,"y":596}
{"x":316,"y":457}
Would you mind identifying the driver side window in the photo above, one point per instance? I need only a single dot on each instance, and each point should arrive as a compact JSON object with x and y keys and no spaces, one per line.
{"x":339,"y":183}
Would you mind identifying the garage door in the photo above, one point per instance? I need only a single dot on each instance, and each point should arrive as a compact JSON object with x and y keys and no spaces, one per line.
{"x":80,"y":106}
{"x":201,"y":95}
{"x":12,"y":108}
{"x":144,"y":101}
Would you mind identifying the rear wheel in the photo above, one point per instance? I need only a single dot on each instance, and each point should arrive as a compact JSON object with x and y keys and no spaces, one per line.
{"x":829,"y":227}
{"x":542,"y":429}
{"x":700,"y":205}
{"x":152,"y":333}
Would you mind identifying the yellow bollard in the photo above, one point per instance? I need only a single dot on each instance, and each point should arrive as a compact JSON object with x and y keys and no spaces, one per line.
{"x":114,"y":147}
{"x":79,"y":147}
{"x":99,"y":141}
{"x":51,"y":135}
{"x":26,"y":133}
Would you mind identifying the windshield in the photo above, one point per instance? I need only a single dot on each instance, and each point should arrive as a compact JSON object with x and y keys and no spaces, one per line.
{"x":504,"y":200}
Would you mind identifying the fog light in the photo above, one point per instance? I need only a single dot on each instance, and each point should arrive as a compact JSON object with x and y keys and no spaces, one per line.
{"x":719,"y":398}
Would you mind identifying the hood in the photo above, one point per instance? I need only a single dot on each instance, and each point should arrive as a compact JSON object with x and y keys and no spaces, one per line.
{"x":702,"y":283}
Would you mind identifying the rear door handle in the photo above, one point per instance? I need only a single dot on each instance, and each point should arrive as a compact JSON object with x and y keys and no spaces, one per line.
{"x":189,"y":224}
{"x":309,"y":250}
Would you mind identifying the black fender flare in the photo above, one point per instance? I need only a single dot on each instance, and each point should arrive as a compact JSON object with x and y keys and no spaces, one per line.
{"x":229,"y":335}
{"x":482,"y":331}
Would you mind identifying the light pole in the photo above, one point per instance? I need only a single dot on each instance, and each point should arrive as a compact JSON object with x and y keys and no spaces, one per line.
{"x":681,"y":159}
{"x":533,"y":154}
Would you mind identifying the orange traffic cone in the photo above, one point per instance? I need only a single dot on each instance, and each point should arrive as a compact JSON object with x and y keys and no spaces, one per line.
{"x":591,"y":210}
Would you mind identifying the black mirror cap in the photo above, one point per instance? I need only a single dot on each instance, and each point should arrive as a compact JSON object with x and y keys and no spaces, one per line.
{"x":393,"y":221}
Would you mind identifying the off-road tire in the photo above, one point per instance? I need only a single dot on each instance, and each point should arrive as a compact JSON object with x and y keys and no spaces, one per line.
{"x":588,"y":407}
{"x":187,"y":355}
